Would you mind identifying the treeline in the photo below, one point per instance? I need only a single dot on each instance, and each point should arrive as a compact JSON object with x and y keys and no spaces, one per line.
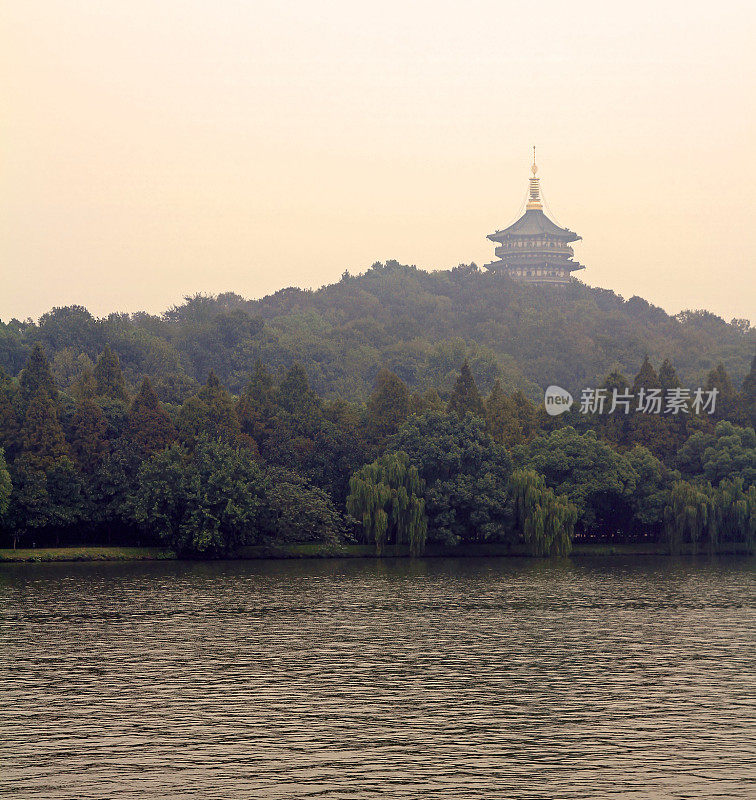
{"x":276,"y":462}
{"x":420,"y":325}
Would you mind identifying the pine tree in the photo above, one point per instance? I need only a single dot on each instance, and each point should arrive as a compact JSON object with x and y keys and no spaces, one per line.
{"x":108,"y":376}
{"x":42,"y":436}
{"x":36,"y":376}
{"x":388,"y":405}
{"x":465,"y":397}
{"x":149,"y":427}
{"x":88,"y":441}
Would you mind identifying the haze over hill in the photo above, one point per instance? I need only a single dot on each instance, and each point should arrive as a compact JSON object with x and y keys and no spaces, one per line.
{"x":184,"y":146}
{"x":420,"y":325}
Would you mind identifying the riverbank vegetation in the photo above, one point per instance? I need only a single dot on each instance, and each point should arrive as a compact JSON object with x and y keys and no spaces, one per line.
{"x":459,"y":456}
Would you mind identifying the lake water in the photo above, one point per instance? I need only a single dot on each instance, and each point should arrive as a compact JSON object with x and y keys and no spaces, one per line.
{"x":472,"y":678}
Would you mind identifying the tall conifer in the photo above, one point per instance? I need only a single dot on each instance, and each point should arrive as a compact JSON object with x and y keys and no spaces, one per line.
{"x":388,"y":405}
{"x":150,"y":428}
{"x":42,"y":436}
{"x":36,"y":376}
{"x":108,"y":376}
{"x":88,"y":441}
{"x":465,"y":397}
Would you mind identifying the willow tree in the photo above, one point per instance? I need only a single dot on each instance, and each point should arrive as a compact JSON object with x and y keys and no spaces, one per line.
{"x":386,"y":496}
{"x":734,"y":517}
{"x":688,"y":515}
{"x":544,"y":519}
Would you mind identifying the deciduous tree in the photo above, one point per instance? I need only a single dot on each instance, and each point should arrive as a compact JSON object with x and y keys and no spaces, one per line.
{"x":386,"y":496}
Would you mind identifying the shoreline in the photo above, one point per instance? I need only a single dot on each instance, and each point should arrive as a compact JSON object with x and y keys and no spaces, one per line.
{"x":300,"y":551}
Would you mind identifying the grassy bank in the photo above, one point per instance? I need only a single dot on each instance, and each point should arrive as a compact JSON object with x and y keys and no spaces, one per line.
{"x":88,"y":553}
{"x":476,"y":550}
{"x":316,"y":550}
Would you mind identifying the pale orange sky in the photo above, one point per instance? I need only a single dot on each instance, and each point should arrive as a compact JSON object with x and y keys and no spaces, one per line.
{"x":157,"y":148}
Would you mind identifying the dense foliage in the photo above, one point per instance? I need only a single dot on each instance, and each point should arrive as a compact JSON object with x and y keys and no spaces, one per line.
{"x":419,"y":325}
{"x":410,"y":419}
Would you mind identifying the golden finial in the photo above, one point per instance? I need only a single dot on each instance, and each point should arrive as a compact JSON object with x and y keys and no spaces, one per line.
{"x":534,"y":200}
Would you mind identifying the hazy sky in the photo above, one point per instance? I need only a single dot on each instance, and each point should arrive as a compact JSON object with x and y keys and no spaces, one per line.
{"x":157,"y":148}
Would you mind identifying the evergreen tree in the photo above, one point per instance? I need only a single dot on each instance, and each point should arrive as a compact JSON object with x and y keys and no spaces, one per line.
{"x":388,"y":405}
{"x":108,"y":376}
{"x":598,"y":479}
{"x":293,"y":510}
{"x":501,"y":419}
{"x":149,"y":427}
{"x":648,"y":425}
{"x":646,"y":378}
{"x":465,"y":397}
{"x":294,"y":393}
{"x":88,"y":441}
{"x":729,"y":403}
{"x":36,"y":377}
{"x":212,"y":413}
{"x":427,"y":403}
{"x":674,"y":429}
{"x":614,"y":425}
{"x":85,"y":386}
{"x":667,"y":376}
{"x":510,"y":420}
{"x":42,"y":436}
{"x":256,"y":407}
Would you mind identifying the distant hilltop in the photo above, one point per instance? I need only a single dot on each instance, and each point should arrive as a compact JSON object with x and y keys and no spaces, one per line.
{"x":421,"y":325}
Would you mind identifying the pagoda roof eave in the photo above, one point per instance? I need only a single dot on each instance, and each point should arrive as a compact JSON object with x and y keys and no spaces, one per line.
{"x":534,"y":223}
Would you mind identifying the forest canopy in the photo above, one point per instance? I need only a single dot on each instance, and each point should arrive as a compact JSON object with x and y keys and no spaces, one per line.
{"x":396,"y":408}
{"x":419,"y":325}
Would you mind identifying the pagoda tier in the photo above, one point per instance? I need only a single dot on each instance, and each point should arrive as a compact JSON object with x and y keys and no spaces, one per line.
{"x":534,"y":249}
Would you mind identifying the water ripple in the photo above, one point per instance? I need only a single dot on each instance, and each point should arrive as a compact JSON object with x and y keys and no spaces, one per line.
{"x":454,"y":679}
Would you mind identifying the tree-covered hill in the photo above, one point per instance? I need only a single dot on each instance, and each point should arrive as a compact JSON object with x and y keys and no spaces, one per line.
{"x":420,"y":325}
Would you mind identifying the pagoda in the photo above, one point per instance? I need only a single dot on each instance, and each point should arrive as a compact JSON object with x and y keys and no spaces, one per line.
{"x":534,"y":249}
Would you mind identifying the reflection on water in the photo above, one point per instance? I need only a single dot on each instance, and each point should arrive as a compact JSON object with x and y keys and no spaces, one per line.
{"x":357,"y":679}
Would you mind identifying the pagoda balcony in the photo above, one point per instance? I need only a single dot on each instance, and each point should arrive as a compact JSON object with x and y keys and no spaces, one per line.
{"x":528,"y":247}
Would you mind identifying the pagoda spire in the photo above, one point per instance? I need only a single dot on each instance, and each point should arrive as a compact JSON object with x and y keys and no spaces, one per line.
{"x":534,"y":199}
